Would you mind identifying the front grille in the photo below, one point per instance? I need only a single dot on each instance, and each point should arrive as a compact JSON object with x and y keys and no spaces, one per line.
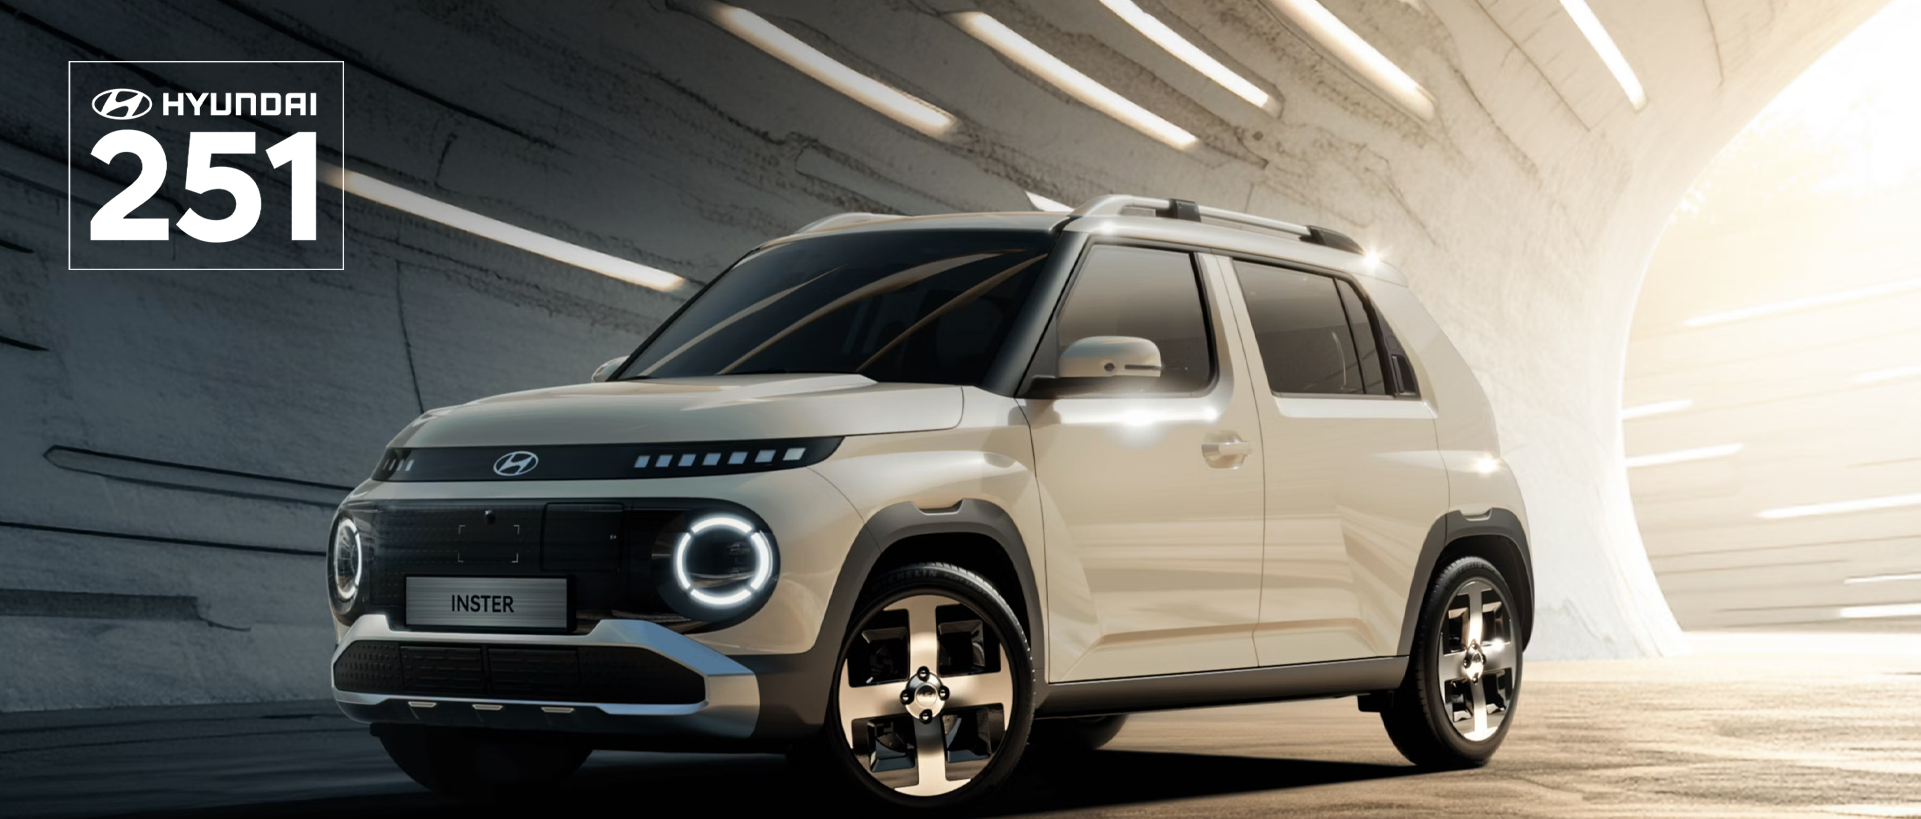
{"x":608,"y":549}
{"x":554,"y":674}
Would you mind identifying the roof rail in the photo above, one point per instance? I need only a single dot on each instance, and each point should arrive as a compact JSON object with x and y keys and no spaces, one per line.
{"x":1114,"y":204}
{"x":845,"y":219}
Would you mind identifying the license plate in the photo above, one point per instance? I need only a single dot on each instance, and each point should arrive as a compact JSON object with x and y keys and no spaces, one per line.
{"x":488,"y":602}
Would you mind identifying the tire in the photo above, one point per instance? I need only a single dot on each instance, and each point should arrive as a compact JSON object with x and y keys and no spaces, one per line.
{"x":1069,"y":736}
{"x":981,"y":658}
{"x":1451,"y":711}
{"x":475,"y":766}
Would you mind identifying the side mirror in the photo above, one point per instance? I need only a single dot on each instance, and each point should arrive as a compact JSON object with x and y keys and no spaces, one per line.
{"x":605,"y":371}
{"x":1089,"y":361}
{"x":1110,"y":357}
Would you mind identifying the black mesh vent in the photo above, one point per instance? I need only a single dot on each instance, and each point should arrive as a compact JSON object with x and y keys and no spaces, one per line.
{"x":560,"y":674}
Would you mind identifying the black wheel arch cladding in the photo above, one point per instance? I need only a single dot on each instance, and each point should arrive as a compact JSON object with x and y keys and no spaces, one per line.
{"x":1498,"y":537}
{"x":794,"y":688}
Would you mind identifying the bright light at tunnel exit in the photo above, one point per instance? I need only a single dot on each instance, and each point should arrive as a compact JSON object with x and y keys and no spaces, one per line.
{"x":1611,"y":56}
{"x":896,"y":104}
{"x":1168,"y":39}
{"x":460,"y":218}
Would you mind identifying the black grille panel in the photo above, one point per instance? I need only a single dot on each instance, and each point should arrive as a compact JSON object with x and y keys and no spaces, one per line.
{"x":605,"y":547}
{"x":561,"y":674}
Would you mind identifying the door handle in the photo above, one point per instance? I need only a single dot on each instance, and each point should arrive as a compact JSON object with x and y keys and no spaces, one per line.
{"x":1225,"y":449}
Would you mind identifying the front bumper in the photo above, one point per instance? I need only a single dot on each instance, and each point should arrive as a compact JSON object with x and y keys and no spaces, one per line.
{"x":730,"y":709}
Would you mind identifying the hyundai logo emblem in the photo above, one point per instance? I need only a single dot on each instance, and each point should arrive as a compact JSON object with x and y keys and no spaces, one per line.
{"x":516,"y":464}
{"x":122,"y":103}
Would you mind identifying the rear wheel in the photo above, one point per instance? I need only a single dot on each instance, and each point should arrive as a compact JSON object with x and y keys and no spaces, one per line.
{"x":473,"y":766}
{"x":933,"y":694}
{"x":1464,"y":675}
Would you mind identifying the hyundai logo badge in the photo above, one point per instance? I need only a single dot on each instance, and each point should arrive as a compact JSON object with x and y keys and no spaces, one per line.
{"x":516,"y":464}
{"x":122,"y":103}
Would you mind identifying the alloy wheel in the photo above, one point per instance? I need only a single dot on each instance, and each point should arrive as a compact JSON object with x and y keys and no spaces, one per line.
{"x":1478,"y":660}
{"x":924,"y":695}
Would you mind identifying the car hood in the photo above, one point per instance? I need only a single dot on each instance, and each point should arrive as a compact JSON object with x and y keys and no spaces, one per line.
{"x":718,"y":408}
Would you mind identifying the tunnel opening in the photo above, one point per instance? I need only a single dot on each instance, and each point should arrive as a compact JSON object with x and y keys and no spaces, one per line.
{"x":1774,"y":359}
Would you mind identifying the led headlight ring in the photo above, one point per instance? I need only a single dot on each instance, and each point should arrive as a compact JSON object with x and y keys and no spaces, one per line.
{"x":763,"y":562}
{"x":347,"y":536}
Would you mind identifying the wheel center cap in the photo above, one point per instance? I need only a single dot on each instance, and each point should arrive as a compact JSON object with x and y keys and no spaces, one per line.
{"x":924,"y":696}
{"x":1474,"y":662}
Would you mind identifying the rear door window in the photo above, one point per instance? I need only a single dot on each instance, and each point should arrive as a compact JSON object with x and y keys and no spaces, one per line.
{"x":1313,"y":332}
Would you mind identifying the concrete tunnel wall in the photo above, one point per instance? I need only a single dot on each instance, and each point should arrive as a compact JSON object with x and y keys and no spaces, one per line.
{"x":172,"y":444}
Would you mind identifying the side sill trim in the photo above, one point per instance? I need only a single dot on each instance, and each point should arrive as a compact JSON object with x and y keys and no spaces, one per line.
{"x":1236,"y":687}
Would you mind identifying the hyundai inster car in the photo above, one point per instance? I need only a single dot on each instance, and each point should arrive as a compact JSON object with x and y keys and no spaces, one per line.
{"x":907,"y":498}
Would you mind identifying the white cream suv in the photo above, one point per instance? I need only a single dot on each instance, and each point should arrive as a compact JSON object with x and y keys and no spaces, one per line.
{"x":904,"y":496}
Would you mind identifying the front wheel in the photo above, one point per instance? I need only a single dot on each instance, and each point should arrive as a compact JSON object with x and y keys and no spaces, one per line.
{"x":1464,"y":674}
{"x":933,"y":693}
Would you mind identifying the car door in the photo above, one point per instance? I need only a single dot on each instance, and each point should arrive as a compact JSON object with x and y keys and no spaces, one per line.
{"x":1354,"y":474}
{"x":1150,"y":487}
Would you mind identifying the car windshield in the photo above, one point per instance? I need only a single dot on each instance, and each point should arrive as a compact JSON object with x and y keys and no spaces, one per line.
{"x":929,"y":306}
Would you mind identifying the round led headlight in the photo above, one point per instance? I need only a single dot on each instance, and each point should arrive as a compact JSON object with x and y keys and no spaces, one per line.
{"x":722,"y":562}
{"x":346,"y":559}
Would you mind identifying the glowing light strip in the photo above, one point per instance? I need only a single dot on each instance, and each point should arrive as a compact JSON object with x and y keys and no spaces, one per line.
{"x":1842,"y":507}
{"x":1881,"y":578}
{"x":896,"y":104}
{"x":488,"y":227}
{"x":1892,"y":610}
{"x":1082,"y":87}
{"x":1777,"y":308}
{"x":1657,"y":408}
{"x":1187,"y":52}
{"x":1617,"y":64}
{"x":1684,"y":456}
{"x":1047,"y":204}
{"x":1360,"y":57}
{"x":1909,"y":371}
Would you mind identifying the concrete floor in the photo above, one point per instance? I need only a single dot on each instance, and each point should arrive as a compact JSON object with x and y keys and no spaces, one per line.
{"x":1807,"y":724}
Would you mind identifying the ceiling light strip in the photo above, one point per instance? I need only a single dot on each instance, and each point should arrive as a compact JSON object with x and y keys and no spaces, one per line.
{"x":1882,"y":578}
{"x":459,"y":218}
{"x":1047,"y":204}
{"x":1825,"y":300}
{"x":1842,"y":507}
{"x":1611,"y":56}
{"x":896,"y":104}
{"x":1657,"y":408}
{"x":1890,"y":610}
{"x":1890,"y":374}
{"x":1168,"y":39}
{"x":1065,"y":77}
{"x":1357,"y":54}
{"x":1684,"y":456}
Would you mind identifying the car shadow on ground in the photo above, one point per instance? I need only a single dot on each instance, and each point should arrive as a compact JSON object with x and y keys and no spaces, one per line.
{"x":1112,"y":778}
{"x":739,"y":785}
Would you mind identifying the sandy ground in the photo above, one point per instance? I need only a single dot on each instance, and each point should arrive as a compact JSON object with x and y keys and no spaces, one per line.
{"x":1807,"y":724}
